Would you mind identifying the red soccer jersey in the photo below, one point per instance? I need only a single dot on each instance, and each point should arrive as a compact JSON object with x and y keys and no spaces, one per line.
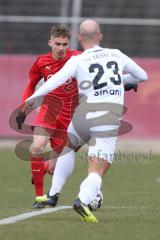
{"x":58,"y":105}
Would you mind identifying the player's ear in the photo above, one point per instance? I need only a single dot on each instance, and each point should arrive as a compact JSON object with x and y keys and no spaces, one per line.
{"x":79,"y":38}
{"x":50,"y":43}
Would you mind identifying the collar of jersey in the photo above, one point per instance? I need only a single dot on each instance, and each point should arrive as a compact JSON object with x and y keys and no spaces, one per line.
{"x":96,"y":47}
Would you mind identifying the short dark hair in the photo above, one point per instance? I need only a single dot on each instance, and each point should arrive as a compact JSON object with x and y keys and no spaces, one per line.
{"x":60,"y":31}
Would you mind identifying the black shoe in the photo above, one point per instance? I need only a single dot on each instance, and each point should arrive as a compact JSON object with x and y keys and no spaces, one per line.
{"x":48,"y":200}
{"x":37,"y":205}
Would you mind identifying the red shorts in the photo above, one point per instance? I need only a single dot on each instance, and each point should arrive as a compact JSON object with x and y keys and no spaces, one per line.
{"x":55,"y":119}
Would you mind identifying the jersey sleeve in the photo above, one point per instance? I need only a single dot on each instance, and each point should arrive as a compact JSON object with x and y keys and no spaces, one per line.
{"x":135,"y":72}
{"x":68,"y":71}
{"x":34,"y":77}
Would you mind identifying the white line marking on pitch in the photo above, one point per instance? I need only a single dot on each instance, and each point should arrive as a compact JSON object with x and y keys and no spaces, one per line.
{"x":27,"y":215}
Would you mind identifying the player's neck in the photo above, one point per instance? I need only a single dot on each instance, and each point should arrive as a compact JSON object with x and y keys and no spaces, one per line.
{"x":89,"y":45}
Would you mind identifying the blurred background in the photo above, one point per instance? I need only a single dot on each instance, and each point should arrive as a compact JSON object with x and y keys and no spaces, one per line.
{"x":131,"y":26}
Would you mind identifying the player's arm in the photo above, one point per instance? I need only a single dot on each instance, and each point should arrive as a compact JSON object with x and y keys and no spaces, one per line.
{"x":135,"y":74}
{"x":130,"y":83}
{"x":34,"y":77}
{"x":68,"y":71}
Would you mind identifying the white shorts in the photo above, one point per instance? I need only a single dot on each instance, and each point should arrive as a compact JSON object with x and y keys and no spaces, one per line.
{"x":99,"y":146}
{"x":104,"y":149}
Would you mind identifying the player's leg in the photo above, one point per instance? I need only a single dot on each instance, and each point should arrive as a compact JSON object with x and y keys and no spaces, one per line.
{"x":89,"y":189}
{"x":65,"y":162}
{"x":99,"y":161}
{"x":40,"y":139}
{"x":49,"y":166}
{"x":64,"y":166}
{"x":46,"y":119}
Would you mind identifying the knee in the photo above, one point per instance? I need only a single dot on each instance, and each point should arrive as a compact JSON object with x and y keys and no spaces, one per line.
{"x":37,"y":147}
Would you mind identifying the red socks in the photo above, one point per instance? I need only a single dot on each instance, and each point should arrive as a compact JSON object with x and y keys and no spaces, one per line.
{"x":38,"y":172}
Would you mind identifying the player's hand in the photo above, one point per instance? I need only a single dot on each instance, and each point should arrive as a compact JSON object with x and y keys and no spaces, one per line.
{"x":26,"y":105}
{"x":129,"y":87}
{"x":20,"y":118}
{"x":29,"y":104}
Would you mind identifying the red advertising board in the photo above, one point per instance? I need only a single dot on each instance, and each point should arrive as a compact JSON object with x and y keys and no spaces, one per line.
{"x":143,"y":107}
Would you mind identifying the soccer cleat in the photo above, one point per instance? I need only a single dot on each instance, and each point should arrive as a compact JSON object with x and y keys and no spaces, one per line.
{"x":48,"y":200}
{"x":37,"y":205}
{"x":83,"y":210}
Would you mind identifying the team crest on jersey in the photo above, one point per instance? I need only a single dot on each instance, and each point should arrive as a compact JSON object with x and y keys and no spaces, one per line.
{"x":48,"y":68}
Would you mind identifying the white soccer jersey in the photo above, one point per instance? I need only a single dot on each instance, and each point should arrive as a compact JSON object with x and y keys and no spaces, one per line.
{"x":99,"y":72}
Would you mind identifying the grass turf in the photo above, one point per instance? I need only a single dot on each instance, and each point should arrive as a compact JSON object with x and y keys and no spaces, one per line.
{"x":130,"y":210}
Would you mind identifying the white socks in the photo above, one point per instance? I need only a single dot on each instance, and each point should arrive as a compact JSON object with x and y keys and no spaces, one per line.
{"x":64,"y":168}
{"x":90,"y":187}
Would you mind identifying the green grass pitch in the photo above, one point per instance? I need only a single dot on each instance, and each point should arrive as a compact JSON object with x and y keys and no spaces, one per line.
{"x":130,"y":211}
